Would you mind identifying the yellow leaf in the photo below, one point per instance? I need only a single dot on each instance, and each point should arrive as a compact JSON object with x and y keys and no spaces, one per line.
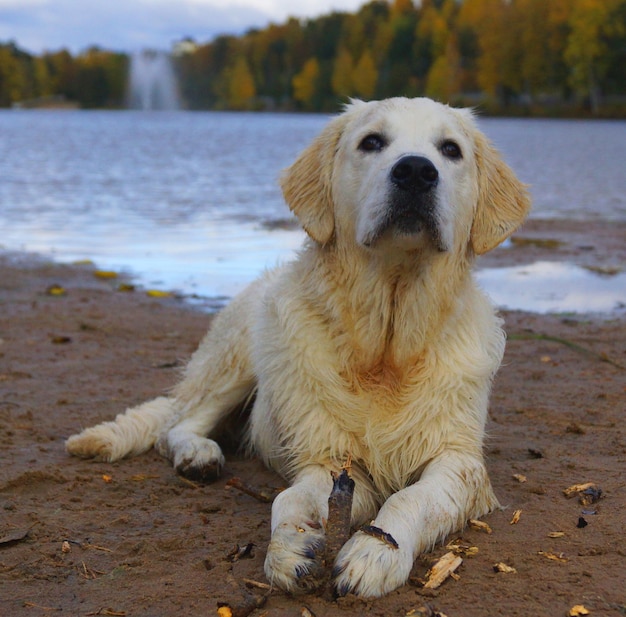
{"x":479,"y":526}
{"x":578,"y":610}
{"x":516,"y":517}
{"x":108,"y":479}
{"x":157,"y":293}
{"x":105,"y":274}
{"x":56,"y":290}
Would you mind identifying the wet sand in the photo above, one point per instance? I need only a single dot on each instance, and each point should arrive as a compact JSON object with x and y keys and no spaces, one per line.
{"x":132,"y":538}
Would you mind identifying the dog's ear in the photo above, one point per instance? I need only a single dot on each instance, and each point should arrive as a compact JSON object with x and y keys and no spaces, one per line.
{"x":503,"y":201}
{"x":307,"y":184}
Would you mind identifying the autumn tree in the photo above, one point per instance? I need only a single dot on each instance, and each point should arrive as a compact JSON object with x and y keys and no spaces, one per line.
{"x":241,"y":88}
{"x":343,"y":68}
{"x":365,"y":76}
{"x":305,"y":83}
{"x":591,"y":24}
{"x":497,"y":72}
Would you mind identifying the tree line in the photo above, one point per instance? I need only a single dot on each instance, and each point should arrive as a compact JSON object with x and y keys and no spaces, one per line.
{"x":510,"y":56}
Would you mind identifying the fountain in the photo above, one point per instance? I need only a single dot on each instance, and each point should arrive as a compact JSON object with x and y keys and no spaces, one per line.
{"x":152,"y":82}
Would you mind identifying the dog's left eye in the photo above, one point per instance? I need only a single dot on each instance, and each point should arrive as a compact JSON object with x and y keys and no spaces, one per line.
{"x":372,"y":143}
{"x":451,"y":149}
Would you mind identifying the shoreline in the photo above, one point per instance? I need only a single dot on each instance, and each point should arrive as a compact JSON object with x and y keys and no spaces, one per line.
{"x":595,"y":247}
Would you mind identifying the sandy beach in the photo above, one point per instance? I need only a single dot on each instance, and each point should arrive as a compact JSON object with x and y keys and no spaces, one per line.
{"x":79,"y":538}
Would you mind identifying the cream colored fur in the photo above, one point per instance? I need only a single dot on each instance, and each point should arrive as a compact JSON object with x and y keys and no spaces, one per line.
{"x":374,"y":343}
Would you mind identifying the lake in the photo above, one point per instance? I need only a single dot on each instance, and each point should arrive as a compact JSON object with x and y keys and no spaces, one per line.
{"x":189,"y":201}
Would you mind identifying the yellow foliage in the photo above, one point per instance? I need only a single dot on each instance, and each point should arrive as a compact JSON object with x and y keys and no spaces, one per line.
{"x":105,"y":274}
{"x":365,"y":76}
{"x":157,"y":293}
{"x":305,"y":82}
{"x":341,"y":80}
{"x":241,"y":88}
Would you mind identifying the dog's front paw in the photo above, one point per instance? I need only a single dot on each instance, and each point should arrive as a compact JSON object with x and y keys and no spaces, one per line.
{"x":198,"y":458}
{"x":370,"y":567}
{"x":294,"y":557}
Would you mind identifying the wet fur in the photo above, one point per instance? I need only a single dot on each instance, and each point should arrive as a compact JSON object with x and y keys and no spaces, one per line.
{"x":377,"y":346}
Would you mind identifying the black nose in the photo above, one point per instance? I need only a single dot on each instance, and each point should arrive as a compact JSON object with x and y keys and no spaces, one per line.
{"x":414,"y":173}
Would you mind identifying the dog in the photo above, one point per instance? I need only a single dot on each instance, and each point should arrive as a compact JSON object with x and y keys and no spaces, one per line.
{"x":374,"y":343}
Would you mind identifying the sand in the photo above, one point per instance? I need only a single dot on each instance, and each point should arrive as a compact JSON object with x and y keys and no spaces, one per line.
{"x":131,"y":538}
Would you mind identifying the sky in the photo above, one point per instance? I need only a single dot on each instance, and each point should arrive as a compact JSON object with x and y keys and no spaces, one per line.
{"x":130,"y":25}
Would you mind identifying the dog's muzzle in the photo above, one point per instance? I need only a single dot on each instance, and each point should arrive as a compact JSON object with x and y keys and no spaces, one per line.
{"x":413,"y":197}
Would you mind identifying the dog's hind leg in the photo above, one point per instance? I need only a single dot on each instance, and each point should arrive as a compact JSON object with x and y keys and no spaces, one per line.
{"x":218,"y":380}
{"x":131,"y":433}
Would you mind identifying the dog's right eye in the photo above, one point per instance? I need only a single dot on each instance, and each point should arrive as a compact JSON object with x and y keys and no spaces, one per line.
{"x":372,"y":143}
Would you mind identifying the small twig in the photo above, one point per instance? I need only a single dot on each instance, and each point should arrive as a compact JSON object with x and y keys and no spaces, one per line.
{"x":43,"y":608}
{"x":338,"y":525}
{"x":260,"y":494}
{"x":95,"y":547}
{"x":257,"y":584}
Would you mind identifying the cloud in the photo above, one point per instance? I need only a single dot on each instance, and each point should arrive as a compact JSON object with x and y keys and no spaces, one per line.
{"x":127,"y":25}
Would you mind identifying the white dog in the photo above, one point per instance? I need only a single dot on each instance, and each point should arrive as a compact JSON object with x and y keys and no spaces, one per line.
{"x":375,"y":343}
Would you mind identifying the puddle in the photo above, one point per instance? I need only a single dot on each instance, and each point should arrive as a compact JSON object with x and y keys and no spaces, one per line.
{"x":554,"y":287}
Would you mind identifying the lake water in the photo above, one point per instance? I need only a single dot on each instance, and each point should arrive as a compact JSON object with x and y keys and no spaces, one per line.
{"x":189,"y":201}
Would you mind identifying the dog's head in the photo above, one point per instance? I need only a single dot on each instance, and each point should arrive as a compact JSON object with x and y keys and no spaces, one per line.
{"x":407,"y":173}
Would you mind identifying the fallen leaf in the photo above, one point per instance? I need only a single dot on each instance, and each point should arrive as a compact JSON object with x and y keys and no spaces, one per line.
{"x":224,"y":611}
{"x":65,"y":547}
{"x":572,"y":491}
{"x":480,"y":526}
{"x":157,"y":293}
{"x":577,"y":610}
{"x":105,"y":274}
{"x":442,"y":569}
{"x":521,"y":478}
{"x":502,"y":567}
{"x":516,"y":516}
{"x":459,"y":548}
{"x":556,"y":534}
{"x":107,"y":478}
{"x":61,"y":340}
{"x":55,"y":290}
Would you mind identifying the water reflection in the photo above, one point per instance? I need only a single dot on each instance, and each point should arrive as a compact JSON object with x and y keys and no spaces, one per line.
{"x":554,"y":287}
